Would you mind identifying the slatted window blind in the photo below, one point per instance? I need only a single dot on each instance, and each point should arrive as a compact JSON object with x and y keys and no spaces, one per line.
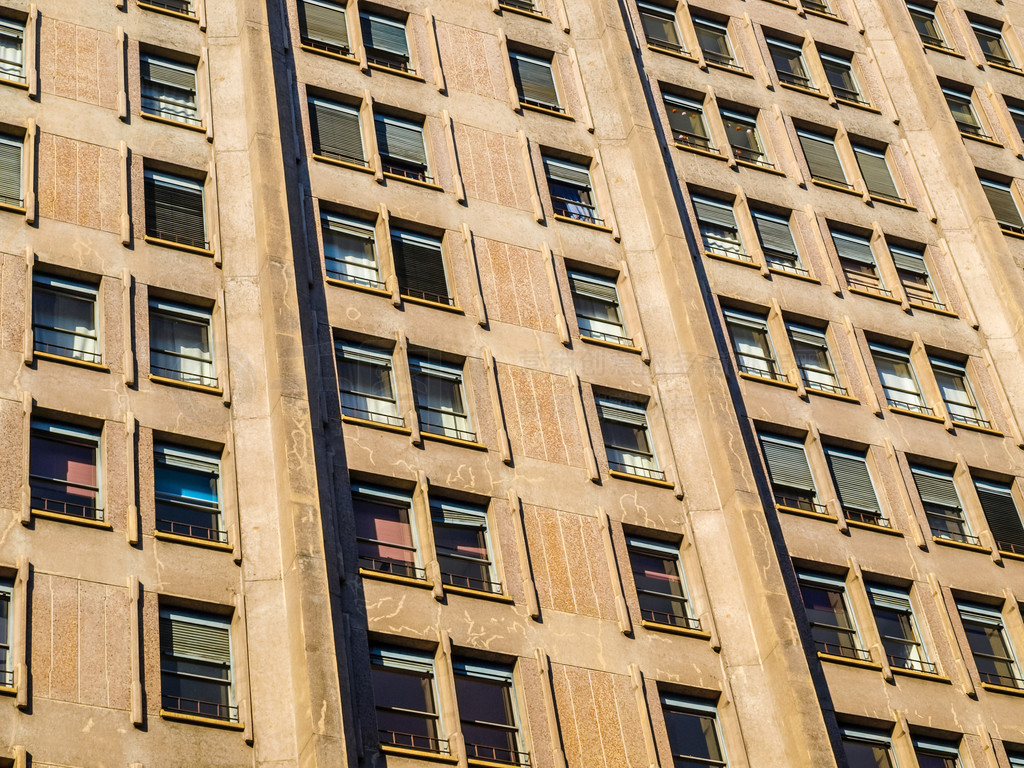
{"x":419,"y":266}
{"x":195,"y":664}
{"x":10,"y":171}
{"x":596,"y":300}
{"x":1000,"y":197}
{"x":168,"y":89}
{"x":853,"y":247}
{"x":853,"y":480}
{"x":175,"y":209}
{"x":401,"y":141}
{"x":535,"y":80}
{"x":875,"y":171}
{"x":936,"y":486}
{"x":822,"y":158}
{"x":1002,"y":514}
{"x":325,"y":25}
{"x":337,"y":130}
{"x":787,"y":463}
{"x":385,"y":40}
{"x":776,"y":239}
{"x":717,"y":223}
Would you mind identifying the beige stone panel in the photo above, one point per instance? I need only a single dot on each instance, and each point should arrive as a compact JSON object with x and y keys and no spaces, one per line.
{"x":471,"y":61}
{"x":535,"y":405}
{"x":514,"y":285}
{"x":11,"y":458}
{"x":65,"y":626}
{"x":150,"y":635}
{"x":12,"y":310}
{"x":92,"y":635}
{"x":77,"y":62}
{"x":77,"y":182}
{"x":554,"y":586}
{"x":41,"y":661}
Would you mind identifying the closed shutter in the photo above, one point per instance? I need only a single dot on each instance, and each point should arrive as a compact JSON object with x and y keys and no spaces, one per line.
{"x":177,"y":76}
{"x":401,"y":140}
{"x":622,"y":412}
{"x":875,"y":171}
{"x":534,"y":79}
{"x":10,"y":170}
{"x":908,"y":260}
{"x":336,"y":130}
{"x":853,"y":247}
{"x":1003,"y":206}
{"x":715,"y":213}
{"x":1002,"y":515}
{"x":594,"y":287}
{"x":787,"y":463}
{"x":458,"y":514}
{"x":822,"y":158}
{"x":774,"y":232}
{"x":936,"y":487}
{"x":853,"y":481}
{"x":174,"y":209}
{"x":181,"y":637}
{"x":419,"y":266}
{"x":567,"y":173}
{"x":384,"y":35}
{"x":325,"y":23}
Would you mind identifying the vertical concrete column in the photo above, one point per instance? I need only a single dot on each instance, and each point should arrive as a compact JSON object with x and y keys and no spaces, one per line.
{"x":510,"y":80}
{"x":818,"y":234}
{"x":973,"y":511}
{"x":550,"y":710}
{"x":529,"y":586}
{"x":699,"y":592}
{"x":19,"y":632}
{"x":586,"y":115}
{"x":26,"y":452}
{"x":355,"y":34}
{"x":478,"y":298}
{"x":603,"y":188}
{"x":448,"y":126}
{"x":387,"y":256}
{"x":788,"y":148}
{"x":21,"y":757}
{"x":213,"y":210}
{"x":857,"y":590}
{"x":524,"y":145}
{"x":621,"y":610}
{"x":435,"y":50}
{"x":403,"y":381}
{"x":1004,"y":401}
{"x":369,"y":130}
{"x":760,"y":63}
{"x":581,"y":418}
{"x":220,"y":329}
{"x":29,"y":339}
{"x":135,"y":650}
{"x":916,"y":532}
{"x":132,"y":512}
{"x":494,"y":391}
{"x":636,"y":677}
{"x":633,"y":307}
{"x":556,"y":295}
{"x":938,"y":594}
{"x":28,"y":171}
{"x":205,"y":90}
{"x":241,"y":667}
{"x":229,"y":504}
{"x":121,"y":46}
{"x":425,"y":529}
{"x":988,"y":746}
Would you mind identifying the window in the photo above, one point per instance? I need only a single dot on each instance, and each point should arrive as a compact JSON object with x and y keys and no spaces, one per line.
{"x":686,"y":119}
{"x":858,"y":262}
{"x":818,"y":6}
{"x":64,"y":469}
{"x":841,"y":78}
{"x":867,"y":748}
{"x":832,"y":626}
{"x":385,"y":538}
{"x":401,"y":147}
{"x":993,"y":655}
{"x":660,"y":27}
{"x":933,"y":753}
{"x":942,"y":505}
{"x":419,"y":266}
{"x":179,"y":343}
{"x":10,"y":171}
{"x":626,"y":440}
{"x":177,"y":6}
{"x":367,"y":384}
{"x":350,"y":251}
{"x":957,"y":393}
{"x":990,"y":38}
{"x":64,"y":322}
{"x":596,"y":300}
{"x":440,"y":399}
{"x":1002,"y":514}
{"x":790,"y":474}
{"x":962,"y":108}
{"x":927,"y":25}
{"x":1016,"y":110}
{"x":719,"y":232}
{"x":894,"y":617}
{"x":659,"y":583}
{"x":535,"y":81}
{"x":463,"y":546}
{"x":713,"y":37}
{"x":385,"y":41}
{"x":914,"y":276}
{"x":12,"y":50}
{"x":487,"y":712}
{"x":1000,"y":197}
{"x":6,"y":657}
{"x":175,"y":209}
{"x":693,"y":733}
{"x":899,"y":382}
{"x":810,"y":348}
{"x":195,"y":665}
{"x":752,"y":345}
{"x":744,"y":139}
{"x":336,"y":131}
{"x":168,"y":89}
{"x":187,"y":489}
{"x":777,"y":242}
{"x":854,"y":486}
{"x":572,"y":193}
{"x":822,"y":158}
{"x":405,"y":699}
{"x":874,"y":169}
{"x":324,"y":26}
{"x":788,"y":59}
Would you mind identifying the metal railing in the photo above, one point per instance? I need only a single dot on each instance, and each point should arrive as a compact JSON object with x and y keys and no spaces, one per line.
{"x":374,"y":416}
{"x":388,"y":62}
{"x":913,"y":407}
{"x":334,"y":154}
{"x":321,"y":45}
{"x":180,"y":375}
{"x":15,"y":202}
{"x":201,"y":708}
{"x":7,"y":678}
{"x":63,"y":351}
{"x":176,"y":237}
{"x":519,"y":5}
{"x":960,"y":536}
{"x":820,"y":386}
{"x":970,"y":421}
{"x":398,"y":167}
{"x":666,"y":45}
{"x":154,"y":105}
{"x":799,"y":502}
{"x":179,"y":6}
{"x":437,"y":298}
{"x":863,"y":284}
{"x":933,"y":303}
{"x":13,"y":73}
{"x":192,"y":531}
{"x":868,"y":516}
{"x":610,"y":337}
{"x":1007,"y":681}
{"x":787,"y":262}
{"x":739,"y":255}
{"x":392,"y":567}
{"x":721,"y":60}
{"x":579,"y":211}
{"x":770,"y":372}
{"x":497,"y":754}
{"x":1006,"y":546}
{"x":846,"y":651}
{"x":918,"y":665}
{"x":847,"y":94}
{"x":818,"y":7}
{"x":441,"y":429}
{"x":935,"y":42}
{"x":1002,"y":61}
{"x":828,"y":180}
{"x":753,"y":156}
{"x":694,"y":140}
{"x":355,"y":279}
{"x":470,"y":582}
{"x":541,"y":104}
{"x":63,"y":506}
{"x":670,"y":619}
{"x":1016,"y":229}
{"x":630,"y":469}
{"x":414,"y":741}
{"x":800,"y":81}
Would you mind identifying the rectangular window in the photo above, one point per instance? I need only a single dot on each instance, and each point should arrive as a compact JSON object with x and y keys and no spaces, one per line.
{"x":385,"y":41}
{"x":385,"y":538}
{"x":350,"y":250}
{"x":858,"y":262}
{"x":6,"y":656}
{"x":790,"y":475}
{"x":12,"y":50}
{"x":487,"y":712}
{"x":1016,"y":111}
{"x":686,"y":119}
{"x":658,"y":577}
{"x":324,"y":26}
{"x":713,"y":37}
{"x":336,"y":131}
{"x":841,"y":77}
{"x":598,"y":315}
{"x":777,"y":242}
{"x":719,"y":232}
{"x":822,"y":158}
{"x":405,"y":699}
{"x":402,"y":149}
{"x":195,"y":665}
{"x":962,"y":108}
{"x":990,"y":38}
{"x":867,"y":748}
{"x":744,"y":139}
{"x":535,"y":81}
{"x":367,"y":384}
{"x":168,"y":89}
{"x":175,"y":210}
{"x":752,"y":345}
{"x":626,"y":439}
{"x":957,"y":393}
{"x":64,"y":321}
{"x":933,"y":753}
{"x":660,"y":27}
{"x":1000,"y":197}
{"x":1001,"y":512}
{"x":463,"y":546}
{"x":693,"y":733}
{"x":790,"y":67}
{"x":179,"y":343}
{"x":177,"y":6}
{"x":572,"y":192}
{"x":419,"y":266}
{"x":874,"y":169}
{"x":832,"y":626}
{"x":813,"y":359}
{"x":894,"y":617}
{"x":11,"y":149}
{"x":927,"y":25}
{"x":854,"y":486}
{"x":440,"y":399}
{"x":64,"y":469}
{"x":899,"y":382}
{"x":942,"y":505}
{"x":914,"y":275}
{"x":187,"y":490}
{"x":993,"y":655}
{"x":819,"y":6}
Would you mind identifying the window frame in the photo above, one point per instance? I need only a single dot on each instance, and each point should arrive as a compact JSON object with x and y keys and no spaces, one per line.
{"x":335,"y":46}
{"x":943,"y":750}
{"x":382,"y":57}
{"x":683,"y":138}
{"x":452,"y":514}
{"x":899,"y":356}
{"x":924,"y":14}
{"x":602,"y":285}
{"x":421,"y":366}
{"x":13,"y":71}
{"x":1013,"y":227}
{"x":953,"y":369}
{"x":223,"y":712}
{"x":407,"y":168}
{"x":965,"y":98}
{"x":315,"y":105}
{"x":69,"y":434}
{"x":807,"y":335}
{"x":979,"y":27}
{"x":853,"y":512}
{"x":771,"y":253}
{"x":841,"y":92}
{"x":714,"y":229}
{"x":631,"y":413}
{"x":152,"y":179}
{"x":755,"y":156}
{"x":52,"y":284}
{"x":355,"y":228}
{"x":720,"y":29}
{"x":392,"y":657}
{"x":192,"y":315}
{"x":585,"y":208}
{"x":862,"y":150}
{"x":653,"y":10}
{"x":958,"y":527}
{"x":790,"y":78}
{"x":500,"y":673}
{"x":684,"y":617}
{"x":858,"y":280}
{"x":905,"y":258}
{"x":895,"y":600}
{"x":704,"y":710}
{"x":516,"y":56}
{"x":983,"y":487}
{"x":871,"y":736}
{"x":200,"y":459}
{"x":186,"y":112}
{"x":7,"y":641}
{"x":368,"y":564}
{"x":375,"y":356}
{"x":991,"y":617}
{"x":834,"y":585}
{"x":757,"y":323}
{"x":789,"y":491}
{"x":822,"y":138}
{"x":12,"y":162}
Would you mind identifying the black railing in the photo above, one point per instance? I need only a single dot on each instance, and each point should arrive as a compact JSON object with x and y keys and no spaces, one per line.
{"x":541,"y":104}
{"x":574,"y":209}
{"x":388,"y":62}
{"x":14,"y":202}
{"x":1016,"y":229}
{"x":821,"y":386}
{"x":436,"y":298}
{"x":398,"y":168}
{"x":7,"y":678}
{"x":624,"y":341}
{"x":179,"y":375}
{"x":519,"y":5}
{"x":800,"y":81}
{"x":62,"y":351}
{"x":470,"y":582}
{"x":1007,"y":681}
{"x":321,"y":45}
{"x":414,"y":741}
{"x":435,"y":428}
{"x":670,"y":619}
{"x":970,"y":421}
{"x":800,"y":502}
{"x":862,"y":284}
{"x":845,"y":651}
{"x":168,"y":110}
{"x":192,"y":531}
{"x":666,"y":45}
{"x":178,"y":6}
{"x":935,"y":42}
{"x":83,"y":510}
{"x":344,"y":277}
{"x":752,"y":156}
{"x":868,"y":516}
{"x":918,"y":665}
{"x":912,"y":407}
{"x":886,"y":196}
{"x":828,"y":180}
{"x":721,"y":60}
{"x":770,"y":372}
{"x":960,"y":536}
{"x":344,"y":157}
{"x":392,"y":567}
{"x":497,"y":754}
{"x":692,"y":140}
{"x":1002,"y":61}
{"x":176,"y":237}
{"x":630,"y":469}
{"x":374,"y":416}
{"x":847,"y":94}
{"x":210,"y":709}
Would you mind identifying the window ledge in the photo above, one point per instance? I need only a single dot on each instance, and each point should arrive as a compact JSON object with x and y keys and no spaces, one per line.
{"x":98,"y":524}
{"x":480,"y":594}
{"x":1004,"y":68}
{"x":1003,"y":689}
{"x":214,"y":722}
{"x":940,"y":49}
{"x":858,"y":105}
{"x":610,"y":344}
{"x":794,"y":275}
{"x":329,"y":54}
{"x":765,"y":380}
{"x":676,"y":54}
{"x":487,"y":763}
{"x":523,"y":12}
{"x":435,"y":304}
{"x":358,"y":287}
{"x":393,"y":71}
{"x":731,"y":259}
{"x":915,"y":414}
{"x":873,"y":527}
{"x":872,"y":294}
{"x":981,"y":139}
{"x":1011,"y":555}
{"x":759,"y":167}
{"x":802,"y":89}
{"x":849,"y":662}
{"x":973,"y":428}
{"x":831,"y":395}
{"x":934,"y":676}
{"x":936,"y":310}
{"x":712,"y":153}
{"x":546,"y":111}
{"x":193,"y":541}
{"x":177,"y":246}
{"x":366,"y":573}
{"x":376,"y":425}
{"x":736,"y":70}
{"x":168,"y":12}
{"x":783,"y":3}
{"x":672,"y":629}
{"x":414,"y":182}
{"x":169,"y":121}
{"x":836,"y":187}
{"x":587,"y":224}
{"x":806,"y":513}
{"x":185,"y":385}
{"x":1007,"y":232}
{"x":822,"y":15}
{"x":14,"y":83}
{"x":638,"y":479}
{"x":961,"y":545}
{"x":453,"y":440}
{"x":893,"y":203}
{"x":8,"y":690}
{"x":418,"y":754}
{"x":72,"y":361}
{"x":343,"y":163}
{"x":12,"y":208}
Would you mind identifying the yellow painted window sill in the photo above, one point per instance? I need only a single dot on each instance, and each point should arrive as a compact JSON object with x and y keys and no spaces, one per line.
{"x":14,"y":83}
{"x":453,"y":440}
{"x":894,"y":203}
{"x":672,"y":629}
{"x":200,"y":720}
{"x":523,"y":12}
{"x":940,"y":49}
{"x":185,"y":384}
{"x":398,"y":72}
{"x":794,"y":275}
{"x":1004,"y":68}
{"x":414,"y":182}
{"x":916,"y":415}
{"x":1003,"y":689}
{"x":168,"y":12}
{"x":435,"y":304}
{"x":981,"y":139}
{"x":767,"y":380}
{"x":831,"y":395}
{"x":806,"y":513}
{"x":872,"y":294}
{"x":873,"y":527}
{"x":935,"y":310}
{"x":975,"y":428}
{"x":486,"y":763}
{"x":669,"y":52}
{"x":193,"y":541}
{"x":726,"y":68}
{"x":168,"y":121}
{"x":343,"y":163}
{"x":329,"y":54}
{"x":610,"y":344}
{"x":376,"y":425}
{"x":712,"y":153}
{"x":1011,"y":555}
{"x":358,"y":287}
{"x":12,"y":208}
{"x":837,"y":187}
{"x":934,"y":676}
{"x":802,"y":89}
{"x":177,"y":246}
{"x":961,"y":545}
{"x":8,"y":690}
{"x":760,"y":167}
{"x":1011,"y":233}
{"x":367,"y":573}
{"x":546,"y":111}
{"x":71,"y":361}
{"x":479,"y":594}
{"x":577,"y":222}
{"x":731,"y":259}
{"x":858,"y":105}
{"x":418,"y":754}
{"x":849,"y":662}
{"x":98,"y":524}
{"x":638,"y":479}
{"x":829,"y":16}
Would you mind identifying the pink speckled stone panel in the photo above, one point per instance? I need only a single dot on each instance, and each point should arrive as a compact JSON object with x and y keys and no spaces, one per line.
{"x":492,"y":167}
{"x":539,"y":415}
{"x":515,"y":285}
{"x":79,"y":183}
{"x":78,"y":63}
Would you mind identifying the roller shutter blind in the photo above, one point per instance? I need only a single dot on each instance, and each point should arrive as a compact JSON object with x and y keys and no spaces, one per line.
{"x":10,"y":170}
{"x":853,"y":480}
{"x":174,"y":209}
{"x":157,"y":71}
{"x":385,"y":35}
{"x":567,"y":173}
{"x":185,"y":636}
{"x":774,"y":232}
{"x":337,"y":131}
{"x":908,"y":260}
{"x":936,"y":487}
{"x":853,"y":247}
{"x":714,"y":212}
{"x":622,"y":412}
{"x":1002,"y":514}
{"x":594,"y":287}
{"x":787,"y":463}
{"x":325,"y":23}
{"x":822,"y":158}
{"x":1003,"y":205}
{"x":419,"y":266}
{"x":876,"y":173}
{"x":534,"y":79}
{"x":401,"y":140}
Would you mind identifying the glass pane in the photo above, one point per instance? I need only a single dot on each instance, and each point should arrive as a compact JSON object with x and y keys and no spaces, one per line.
{"x":64,"y":476}
{"x":383,"y":532}
{"x":692,"y":735}
{"x":861,"y":754}
{"x":64,"y":323}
